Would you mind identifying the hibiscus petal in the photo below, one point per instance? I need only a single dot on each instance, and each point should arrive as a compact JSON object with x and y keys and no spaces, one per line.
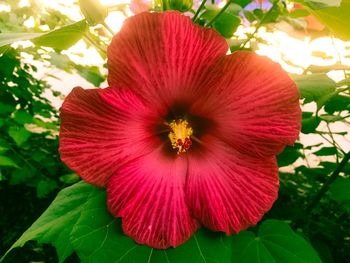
{"x":101,"y":129}
{"x":256,"y":105}
{"x":148,"y":193}
{"x":162,"y":56}
{"x":227,"y":191}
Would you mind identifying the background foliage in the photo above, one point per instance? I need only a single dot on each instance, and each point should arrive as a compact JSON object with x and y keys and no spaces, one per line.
{"x":310,"y":221}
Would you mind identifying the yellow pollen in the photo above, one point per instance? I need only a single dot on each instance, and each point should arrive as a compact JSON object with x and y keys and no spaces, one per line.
{"x":180,"y":135}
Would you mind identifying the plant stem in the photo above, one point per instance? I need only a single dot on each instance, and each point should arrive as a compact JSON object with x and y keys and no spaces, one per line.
{"x":259,"y":25}
{"x":198,"y":10}
{"x":165,"y":5}
{"x":110,"y":30}
{"x":96,"y":45}
{"x":219,"y":14}
{"x":326,"y":185}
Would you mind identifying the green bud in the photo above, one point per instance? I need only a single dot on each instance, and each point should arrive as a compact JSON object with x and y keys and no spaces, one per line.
{"x":94,"y":12}
{"x":180,"y":5}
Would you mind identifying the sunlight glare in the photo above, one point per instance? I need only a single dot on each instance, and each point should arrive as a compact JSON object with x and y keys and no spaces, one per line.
{"x":115,"y":21}
{"x":29,"y":23}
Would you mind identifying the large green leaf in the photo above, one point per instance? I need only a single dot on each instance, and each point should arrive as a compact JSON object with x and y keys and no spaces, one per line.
{"x":96,"y":237}
{"x":276,"y":242}
{"x":313,"y":87}
{"x":64,"y":37}
{"x":9,"y":38}
{"x":337,"y":19}
{"x":78,"y":220}
{"x":61,"y":38}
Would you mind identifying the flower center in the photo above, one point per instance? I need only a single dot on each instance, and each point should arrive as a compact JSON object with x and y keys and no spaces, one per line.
{"x":180,"y":135}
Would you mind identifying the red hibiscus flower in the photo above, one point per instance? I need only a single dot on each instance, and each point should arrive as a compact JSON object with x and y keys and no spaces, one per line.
{"x":185,"y":135}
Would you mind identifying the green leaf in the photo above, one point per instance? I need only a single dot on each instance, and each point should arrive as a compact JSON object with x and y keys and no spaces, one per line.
{"x":340,"y":189}
{"x":56,"y":223}
{"x":9,"y":38}
{"x":61,"y":61}
{"x":243,"y":3}
{"x":228,"y":21}
{"x":288,"y":156}
{"x":320,"y":4}
{"x":340,"y":192}
{"x":22,"y":117}
{"x":64,"y":37}
{"x":325,"y":151}
{"x":337,"y":19}
{"x":181,"y":5}
{"x":337,"y":103}
{"x":19,"y":134}
{"x":6,"y":161}
{"x":5,"y":108}
{"x":4,"y":146}
{"x":78,"y":220}
{"x":97,"y":237}
{"x":91,"y":74}
{"x":297,"y":13}
{"x":205,"y":246}
{"x":69,"y":178}
{"x":44,"y":187}
{"x":309,"y":123}
{"x":249,"y":16}
{"x":227,"y":24}
{"x":276,"y":242}
{"x":60,"y":39}
{"x":20,"y":176}
{"x":313,"y":87}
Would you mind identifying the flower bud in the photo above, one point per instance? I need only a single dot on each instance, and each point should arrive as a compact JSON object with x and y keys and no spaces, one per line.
{"x":94,"y":12}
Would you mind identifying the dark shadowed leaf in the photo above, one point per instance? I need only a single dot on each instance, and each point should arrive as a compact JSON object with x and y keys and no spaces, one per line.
{"x":56,"y":223}
{"x":337,"y":103}
{"x":288,"y":156}
{"x":22,"y":117}
{"x":44,"y":187}
{"x":340,"y":192}
{"x":309,"y":123}
{"x":324,"y":151}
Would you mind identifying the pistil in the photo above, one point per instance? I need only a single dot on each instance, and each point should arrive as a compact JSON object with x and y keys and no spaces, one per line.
{"x":180,"y":135}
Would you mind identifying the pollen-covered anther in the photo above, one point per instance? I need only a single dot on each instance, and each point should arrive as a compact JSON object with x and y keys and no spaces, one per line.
{"x":180,"y":134}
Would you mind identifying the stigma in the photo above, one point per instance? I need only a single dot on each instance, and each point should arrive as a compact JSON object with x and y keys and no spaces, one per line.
{"x":179,"y":136}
